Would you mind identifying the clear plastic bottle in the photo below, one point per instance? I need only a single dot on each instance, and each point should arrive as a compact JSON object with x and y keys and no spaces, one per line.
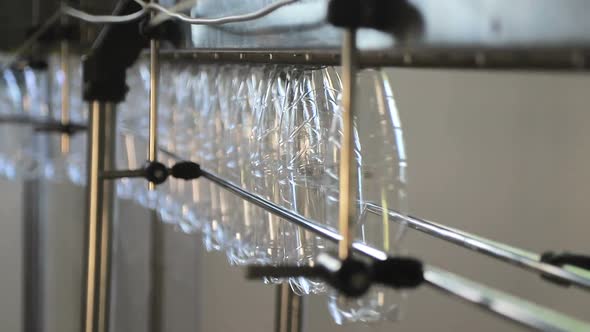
{"x":383,"y":180}
{"x":132,"y":118}
{"x":11,"y":101}
{"x":197,"y":209}
{"x":66,"y":153}
{"x":172,"y":100}
{"x":209,"y":132}
{"x":245,"y":90}
{"x":188,"y":149}
{"x":232,"y":99}
{"x":130,"y":154}
{"x":307,"y":123}
{"x":28,"y":160}
{"x":273,"y":235}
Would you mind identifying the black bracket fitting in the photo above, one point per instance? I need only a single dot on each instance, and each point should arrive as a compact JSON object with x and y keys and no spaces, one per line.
{"x":117,"y":47}
{"x":157,"y":173}
{"x":168,"y":30}
{"x":351,"y":277}
{"x":399,"y":17}
{"x":580,"y":261}
{"x":69,"y":129}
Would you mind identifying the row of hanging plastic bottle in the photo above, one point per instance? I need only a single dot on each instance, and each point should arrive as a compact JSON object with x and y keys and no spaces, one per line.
{"x":34,"y":94}
{"x":272,"y":130}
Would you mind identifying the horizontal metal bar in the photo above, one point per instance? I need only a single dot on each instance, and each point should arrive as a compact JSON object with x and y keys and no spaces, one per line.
{"x":453,"y":58}
{"x":17,"y":119}
{"x":512,"y":255}
{"x":502,"y":304}
{"x":41,"y":124}
{"x":119,"y":174}
{"x":506,"y":306}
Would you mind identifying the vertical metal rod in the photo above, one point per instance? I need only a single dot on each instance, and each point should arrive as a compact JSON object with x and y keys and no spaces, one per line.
{"x":289,"y":316}
{"x":289,"y":309}
{"x":347,"y":203}
{"x":100,"y":212}
{"x":65,"y":95}
{"x":153,"y":116}
{"x":156,"y":244}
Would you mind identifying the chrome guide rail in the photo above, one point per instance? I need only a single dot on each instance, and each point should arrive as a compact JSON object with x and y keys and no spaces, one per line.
{"x":506,"y":253}
{"x":509,"y":307}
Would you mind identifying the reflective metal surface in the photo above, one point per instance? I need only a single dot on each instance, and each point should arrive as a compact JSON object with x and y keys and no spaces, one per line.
{"x":347,"y":194}
{"x":512,"y":255}
{"x":504,"y":305}
{"x":543,"y":58}
{"x":100,"y":210}
{"x":65,"y":94}
{"x":156,"y":227}
{"x":289,"y":313}
{"x":153,"y":115}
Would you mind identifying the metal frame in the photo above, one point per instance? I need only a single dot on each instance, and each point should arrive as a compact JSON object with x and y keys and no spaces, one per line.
{"x":499,"y":303}
{"x":156,"y":227}
{"x":487,"y":58}
{"x":474,"y":41}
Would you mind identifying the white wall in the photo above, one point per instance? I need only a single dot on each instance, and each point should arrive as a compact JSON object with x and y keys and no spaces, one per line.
{"x":503,"y":155}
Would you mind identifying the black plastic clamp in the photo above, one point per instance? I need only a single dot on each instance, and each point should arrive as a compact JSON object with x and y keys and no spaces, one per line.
{"x":117,"y":47}
{"x":158,"y":173}
{"x":168,"y":30}
{"x":577,"y":260}
{"x":58,"y":127}
{"x":399,"y":17}
{"x":351,"y":277}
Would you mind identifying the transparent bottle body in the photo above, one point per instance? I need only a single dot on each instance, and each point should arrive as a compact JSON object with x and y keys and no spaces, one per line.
{"x":132,"y":124}
{"x":382,"y":179}
{"x":308,"y":120}
{"x":27,"y":90}
{"x":13,"y":135}
{"x":273,"y":237}
{"x":66,"y":154}
{"x":245,"y":88}
{"x":207,"y":121}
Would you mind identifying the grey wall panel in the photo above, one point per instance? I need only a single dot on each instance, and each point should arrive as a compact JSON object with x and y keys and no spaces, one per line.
{"x":63,"y":256}
{"x":11,"y":265}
